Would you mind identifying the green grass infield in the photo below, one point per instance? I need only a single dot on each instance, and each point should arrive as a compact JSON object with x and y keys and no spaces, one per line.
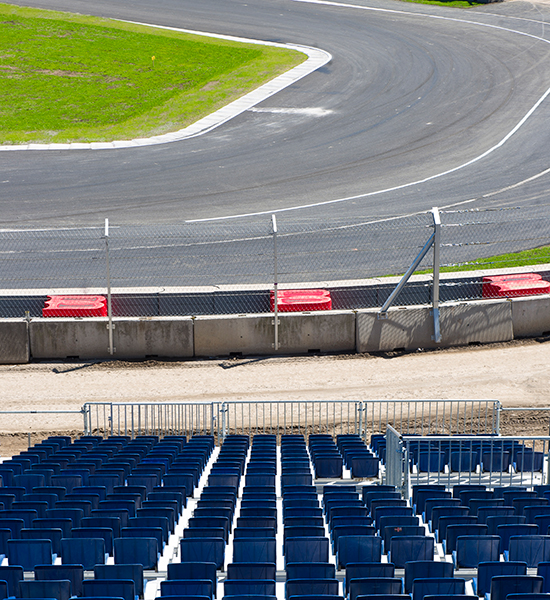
{"x":73,"y":78}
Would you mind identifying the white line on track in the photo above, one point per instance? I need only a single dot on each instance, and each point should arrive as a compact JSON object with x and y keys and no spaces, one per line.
{"x":425,"y":179}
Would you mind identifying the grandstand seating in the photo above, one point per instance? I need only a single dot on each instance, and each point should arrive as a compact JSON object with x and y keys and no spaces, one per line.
{"x":96,"y":517}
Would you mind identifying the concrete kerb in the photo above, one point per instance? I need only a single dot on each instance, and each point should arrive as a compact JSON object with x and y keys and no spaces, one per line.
{"x":316,"y":59}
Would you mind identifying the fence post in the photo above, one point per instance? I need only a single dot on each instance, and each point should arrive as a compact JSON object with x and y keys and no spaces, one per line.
{"x":275,"y":285}
{"x":110,"y":325}
{"x":435,"y":283}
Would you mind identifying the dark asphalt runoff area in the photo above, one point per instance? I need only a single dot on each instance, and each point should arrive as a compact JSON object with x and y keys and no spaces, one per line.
{"x":421,"y":106}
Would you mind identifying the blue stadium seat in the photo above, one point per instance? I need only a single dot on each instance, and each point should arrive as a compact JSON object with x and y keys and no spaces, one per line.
{"x":204,"y":550}
{"x":502,"y":585}
{"x":494,"y":522}
{"x":353,"y":549}
{"x":543,"y":570}
{"x":533,"y":549}
{"x":237,"y":587}
{"x":3,"y":586}
{"x":426,"y":569}
{"x":13,"y":575}
{"x":54,"y":535}
{"x":60,"y":589}
{"x":437,"y":586}
{"x":74,"y":573}
{"x":305,"y":549}
{"x":246,"y":550}
{"x":454,"y":531}
{"x":29,"y":553}
{"x":361,"y":570}
{"x":252,"y":571}
{"x":311,"y":570}
{"x":143,"y":551}
{"x":185,"y":587}
{"x":87,"y":552}
{"x":313,"y":587}
{"x":505,"y":532}
{"x":133,"y":572}
{"x":375,"y":585}
{"x":119,"y":588}
{"x":473,"y":549}
{"x":487,"y":570}
{"x":408,"y":548}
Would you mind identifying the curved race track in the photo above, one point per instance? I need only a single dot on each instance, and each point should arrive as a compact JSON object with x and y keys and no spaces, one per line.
{"x":407,"y":96}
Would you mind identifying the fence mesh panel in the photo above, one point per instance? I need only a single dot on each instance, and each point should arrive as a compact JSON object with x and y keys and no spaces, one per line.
{"x":229,"y":267}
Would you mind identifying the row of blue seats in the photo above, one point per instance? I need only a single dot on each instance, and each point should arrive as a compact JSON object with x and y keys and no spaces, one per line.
{"x":140,"y":489}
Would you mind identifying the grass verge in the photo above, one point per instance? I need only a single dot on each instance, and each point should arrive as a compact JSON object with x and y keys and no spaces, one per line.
{"x":536,"y":256}
{"x":72,"y":78}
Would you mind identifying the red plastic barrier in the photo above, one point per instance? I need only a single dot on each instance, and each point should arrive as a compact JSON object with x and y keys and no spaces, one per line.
{"x":301,"y":300}
{"x":518,"y":284}
{"x":75,"y":306}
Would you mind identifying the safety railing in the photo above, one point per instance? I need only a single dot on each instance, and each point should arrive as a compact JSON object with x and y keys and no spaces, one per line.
{"x":466,"y":459}
{"x":362,"y":417}
{"x":166,"y":418}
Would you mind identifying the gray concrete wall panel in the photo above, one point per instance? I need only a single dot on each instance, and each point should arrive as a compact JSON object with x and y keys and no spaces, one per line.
{"x":88,"y":339}
{"x":403,"y":328}
{"x":476,"y":322}
{"x":531,"y":316}
{"x":14,"y":342}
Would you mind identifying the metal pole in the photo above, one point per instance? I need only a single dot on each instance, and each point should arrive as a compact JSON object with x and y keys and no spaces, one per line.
{"x":407,"y":275}
{"x":275,"y":285}
{"x":435,"y":291}
{"x":110,"y":325}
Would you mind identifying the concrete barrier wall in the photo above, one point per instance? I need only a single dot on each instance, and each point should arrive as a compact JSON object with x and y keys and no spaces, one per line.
{"x":87,"y":339}
{"x":406,"y":328}
{"x":409,"y":328}
{"x":299,"y":333}
{"x":14,"y":342}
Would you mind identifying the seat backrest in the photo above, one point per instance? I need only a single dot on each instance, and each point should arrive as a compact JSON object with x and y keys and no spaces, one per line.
{"x":358,"y":548}
{"x":505,"y":532}
{"x":137,"y":550}
{"x":306,"y":549}
{"x":87,"y":552}
{"x":29,"y":553}
{"x":118,"y":588}
{"x":533,"y":549}
{"x":375,"y":585}
{"x":437,"y":586}
{"x":54,"y":588}
{"x":473,"y":549}
{"x":406,"y":548}
{"x":252,"y":571}
{"x":312,"y":570}
{"x":74,"y":573}
{"x":249,"y":586}
{"x":185,"y":587}
{"x":13,"y":575}
{"x":246,"y":550}
{"x":426,"y":569}
{"x":315,"y":587}
{"x":204,"y":550}
{"x":487,"y":570}
{"x":454,"y":531}
{"x":502,"y":585}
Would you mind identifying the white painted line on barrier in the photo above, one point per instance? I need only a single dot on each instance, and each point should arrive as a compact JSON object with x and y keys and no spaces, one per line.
{"x":316,"y":58}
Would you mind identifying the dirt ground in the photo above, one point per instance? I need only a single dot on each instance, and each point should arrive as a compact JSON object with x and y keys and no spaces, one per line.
{"x":515,"y":373}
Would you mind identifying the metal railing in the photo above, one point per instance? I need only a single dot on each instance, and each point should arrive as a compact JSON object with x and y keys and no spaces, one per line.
{"x":149,"y":418}
{"x":363,"y":417}
{"x":478,"y":459}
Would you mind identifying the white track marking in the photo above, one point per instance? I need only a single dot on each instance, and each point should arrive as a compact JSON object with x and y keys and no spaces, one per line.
{"x":425,"y":179}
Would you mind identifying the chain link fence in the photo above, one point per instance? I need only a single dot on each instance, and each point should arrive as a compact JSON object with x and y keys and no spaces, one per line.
{"x":230,"y":267}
